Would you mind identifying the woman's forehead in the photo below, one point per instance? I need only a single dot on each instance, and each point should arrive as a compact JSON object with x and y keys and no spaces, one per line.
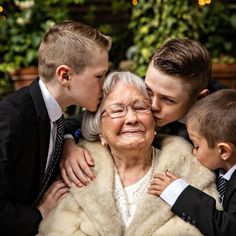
{"x":122,"y":93}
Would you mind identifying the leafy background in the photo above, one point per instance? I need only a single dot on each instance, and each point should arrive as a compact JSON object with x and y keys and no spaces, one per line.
{"x":137,"y":27}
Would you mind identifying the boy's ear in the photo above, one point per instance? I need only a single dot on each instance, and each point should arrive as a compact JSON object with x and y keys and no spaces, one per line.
{"x":63,"y":74}
{"x":225,"y":150}
{"x":202,"y":94}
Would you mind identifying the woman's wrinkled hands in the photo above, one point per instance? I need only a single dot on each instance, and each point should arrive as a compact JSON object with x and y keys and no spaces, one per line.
{"x":160,"y":182}
{"x":76,"y":164}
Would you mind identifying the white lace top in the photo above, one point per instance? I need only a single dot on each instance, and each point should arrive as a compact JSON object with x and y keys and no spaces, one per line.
{"x":128,"y":198}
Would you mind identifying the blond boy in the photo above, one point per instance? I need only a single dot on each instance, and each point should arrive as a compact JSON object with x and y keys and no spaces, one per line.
{"x":73,"y":60}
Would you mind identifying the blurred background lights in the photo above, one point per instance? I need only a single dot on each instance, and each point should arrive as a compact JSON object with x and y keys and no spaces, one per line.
{"x":203,"y":2}
{"x":134,"y":2}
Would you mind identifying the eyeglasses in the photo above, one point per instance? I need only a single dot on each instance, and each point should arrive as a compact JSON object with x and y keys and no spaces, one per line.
{"x":119,"y":110}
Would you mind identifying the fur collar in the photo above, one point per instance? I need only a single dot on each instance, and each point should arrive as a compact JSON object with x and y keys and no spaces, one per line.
{"x":97,"y":200}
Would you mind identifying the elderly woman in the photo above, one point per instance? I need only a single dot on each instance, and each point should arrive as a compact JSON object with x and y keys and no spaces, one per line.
{"x":116,"y":203}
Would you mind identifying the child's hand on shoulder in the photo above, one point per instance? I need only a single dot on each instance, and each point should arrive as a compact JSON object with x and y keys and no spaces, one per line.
{"x":76,"y":164}
{"x":160,"y":182}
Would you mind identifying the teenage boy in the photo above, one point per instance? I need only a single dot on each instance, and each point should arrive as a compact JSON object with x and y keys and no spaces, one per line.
{"x":177,"y":76}
{"x":211,"y":124}
{"x":73,"y":60}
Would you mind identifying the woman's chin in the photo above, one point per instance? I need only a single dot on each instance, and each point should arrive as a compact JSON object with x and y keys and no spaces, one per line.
{"x":135,"y":142}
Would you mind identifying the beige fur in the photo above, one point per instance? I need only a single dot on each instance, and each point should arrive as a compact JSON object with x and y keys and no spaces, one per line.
{"x":92,"y":211}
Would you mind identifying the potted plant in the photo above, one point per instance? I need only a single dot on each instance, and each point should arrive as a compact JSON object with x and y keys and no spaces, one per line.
{"x":22,"y":26}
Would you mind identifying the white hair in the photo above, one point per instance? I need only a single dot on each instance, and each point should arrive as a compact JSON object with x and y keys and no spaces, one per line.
{"x":92,"y":120}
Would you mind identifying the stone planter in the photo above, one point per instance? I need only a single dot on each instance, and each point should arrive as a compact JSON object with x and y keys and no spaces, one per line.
{"x":24,"y":77}
{"x":225,"y":73}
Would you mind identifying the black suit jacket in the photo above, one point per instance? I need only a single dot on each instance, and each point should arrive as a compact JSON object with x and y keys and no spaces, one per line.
{"x":175,"y":128}
{"x":24,"y":143}
{"x":199,"y":209}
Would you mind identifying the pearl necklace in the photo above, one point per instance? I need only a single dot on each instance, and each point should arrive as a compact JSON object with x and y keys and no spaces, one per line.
{"x":128,"y":198}
{"x":143,"y":188}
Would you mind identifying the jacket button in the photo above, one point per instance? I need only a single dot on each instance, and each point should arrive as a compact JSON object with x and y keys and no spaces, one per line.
{"x":189,"y":219}
{"x":194,"y":222}
{"x":183,"y":216}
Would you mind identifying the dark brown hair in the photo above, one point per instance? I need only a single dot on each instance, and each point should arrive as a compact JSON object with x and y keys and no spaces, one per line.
{"x":214,"y":117}
{"x":186,"y":59}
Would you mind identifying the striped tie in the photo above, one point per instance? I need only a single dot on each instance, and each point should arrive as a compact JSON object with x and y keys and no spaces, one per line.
{"x":221,"y":185}
{"x":55,"y":159}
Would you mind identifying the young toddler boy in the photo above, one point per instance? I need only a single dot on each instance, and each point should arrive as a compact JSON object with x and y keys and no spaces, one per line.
{"x":211,"y":125}
{"x":73,"y":60}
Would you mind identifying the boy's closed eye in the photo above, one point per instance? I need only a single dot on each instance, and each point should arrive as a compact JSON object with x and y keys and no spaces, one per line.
{"x":150,"y":93}
{"x":168,"y":100}
{"x":100,"y":76}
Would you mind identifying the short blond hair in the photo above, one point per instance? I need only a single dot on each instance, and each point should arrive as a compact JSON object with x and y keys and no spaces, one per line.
{"x":70,"y":43}
{"x":214,"y":117}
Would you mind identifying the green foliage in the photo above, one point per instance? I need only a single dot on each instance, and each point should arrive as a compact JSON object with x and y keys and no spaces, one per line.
{"x":5,"y":85}
{"x":155,"y":21}
{"x":24,"y":22}
{"x":22,"y":26}
{"x":112,"y":18}
{"x":218,"y":31}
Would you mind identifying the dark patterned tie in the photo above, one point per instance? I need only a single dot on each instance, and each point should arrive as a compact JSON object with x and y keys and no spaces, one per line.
{"x":221,"y":185}
{"x":55,"y":159}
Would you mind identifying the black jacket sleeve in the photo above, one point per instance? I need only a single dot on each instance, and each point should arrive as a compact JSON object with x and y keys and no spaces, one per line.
{"x":17,"y":217}
{"x":199,"y":209}
{"x":73,"y":125}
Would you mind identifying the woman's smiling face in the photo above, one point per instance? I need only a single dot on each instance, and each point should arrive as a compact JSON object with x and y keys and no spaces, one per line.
{"x":135,"y":129}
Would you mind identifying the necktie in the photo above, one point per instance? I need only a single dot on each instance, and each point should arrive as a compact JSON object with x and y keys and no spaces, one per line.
{"x":221,"y":185}
{"x":56,"y":156}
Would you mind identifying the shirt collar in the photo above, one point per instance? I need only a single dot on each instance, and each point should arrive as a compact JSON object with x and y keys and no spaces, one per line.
{"x":229,"y":173}
{"x":53,"y":108}
{"x":183,"y":120}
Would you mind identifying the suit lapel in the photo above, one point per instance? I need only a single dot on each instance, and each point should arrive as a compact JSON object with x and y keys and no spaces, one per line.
{"x":43,"y":126}
{"x":229,"y":191}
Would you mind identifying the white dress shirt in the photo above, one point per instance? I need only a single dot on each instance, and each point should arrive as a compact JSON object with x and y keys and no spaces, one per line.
{"x":172,"y":192}
{"x":54,"y":113}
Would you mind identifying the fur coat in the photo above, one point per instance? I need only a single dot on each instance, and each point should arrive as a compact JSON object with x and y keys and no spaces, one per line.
{"x":91,"y":210}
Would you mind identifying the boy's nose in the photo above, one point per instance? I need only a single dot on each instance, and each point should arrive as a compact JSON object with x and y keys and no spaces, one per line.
{"x":156,"y":104}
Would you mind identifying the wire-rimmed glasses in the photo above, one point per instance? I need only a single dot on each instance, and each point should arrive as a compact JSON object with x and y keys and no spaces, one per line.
{"x":118,"y":110}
